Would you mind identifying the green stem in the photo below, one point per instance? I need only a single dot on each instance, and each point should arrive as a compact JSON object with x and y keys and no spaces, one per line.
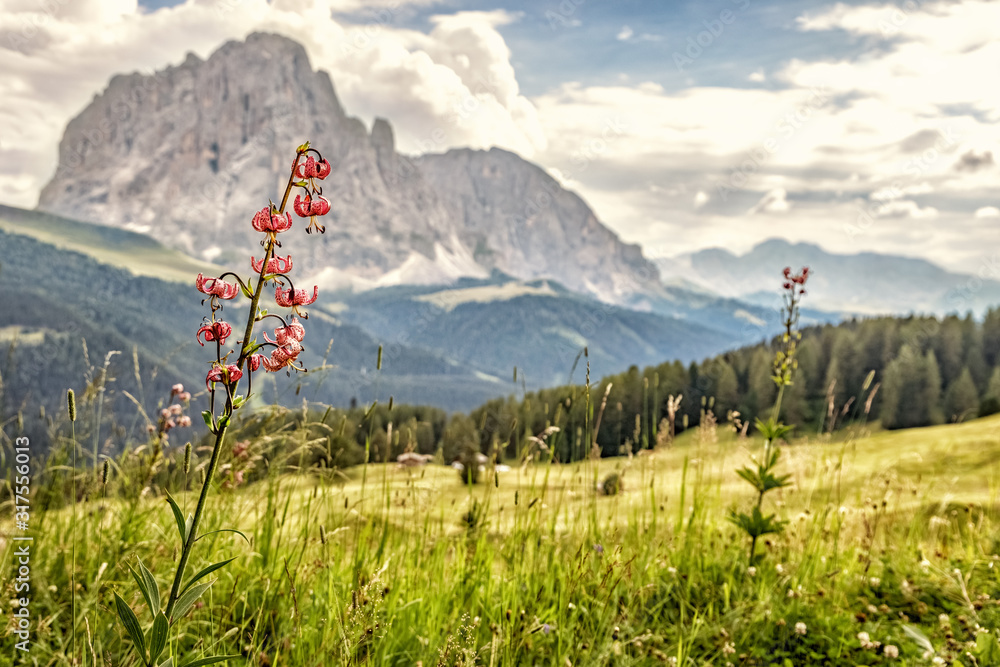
{"x":227,"y":413}
{"x":175,"y":590}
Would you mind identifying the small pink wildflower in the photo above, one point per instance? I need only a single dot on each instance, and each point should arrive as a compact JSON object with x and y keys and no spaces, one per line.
{"x":176,"y":389}
{"x":183,"y":420}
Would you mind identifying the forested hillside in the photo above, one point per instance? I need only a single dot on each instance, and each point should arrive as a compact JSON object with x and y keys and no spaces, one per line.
{"x":913,"y":371}
{"x":906,"y":372}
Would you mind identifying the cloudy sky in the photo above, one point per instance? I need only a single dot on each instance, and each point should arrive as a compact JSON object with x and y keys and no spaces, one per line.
{"x":860,"y":127}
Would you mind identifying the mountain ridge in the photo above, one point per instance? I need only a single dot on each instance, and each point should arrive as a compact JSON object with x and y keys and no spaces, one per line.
{"x":866,"y":283}
{"x":202,"y":142}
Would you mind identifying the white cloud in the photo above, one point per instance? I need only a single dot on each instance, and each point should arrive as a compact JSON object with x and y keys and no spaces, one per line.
{"x":892,"y":123}
{"x":700,"y":198}
{"x":625,"y":34}
{"x":906,"y":209}
{"x":988,"y":212}
{"x":757,"y":76}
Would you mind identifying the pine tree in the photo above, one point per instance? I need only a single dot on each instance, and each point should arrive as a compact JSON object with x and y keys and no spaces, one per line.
{"x":991,"y":336}
{"x":911,"y":390}
{"x":961,"y":399}
{"x":991,"y":399}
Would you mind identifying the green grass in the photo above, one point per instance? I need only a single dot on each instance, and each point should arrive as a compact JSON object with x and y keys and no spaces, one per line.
{"x":887,"y":533}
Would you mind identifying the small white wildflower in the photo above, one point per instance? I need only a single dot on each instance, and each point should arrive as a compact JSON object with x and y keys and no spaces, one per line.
{"x":843,"y":510}
{"x":875,"y":581}
{"x":864,"y":637}
{"x":779,"y":568}
{"x":672,"y":570}
{"x":891,"y":651}
{"x":752,"y":571}
{"x":729,"y":648}
{"x":800,"y":628}
{"x":791,"y":593}
{"x":943,"y":618}
{"x":938,"y":660}
{"x":925,"y":564}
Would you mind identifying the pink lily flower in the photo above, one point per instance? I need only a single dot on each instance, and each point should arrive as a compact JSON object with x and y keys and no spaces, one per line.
{"x":219,"y":331}
{"x":312,"y":169}
{"x":311,"y":208}
{"x":274,"y":265}
{"x":294,"y":298}
{"x":216,"y":287}
{"x":283,"y":356}
{"x":255,"y":360}
{"x":283,"y":335}
{"x":270,"y":221}
{"x":227,"y":374}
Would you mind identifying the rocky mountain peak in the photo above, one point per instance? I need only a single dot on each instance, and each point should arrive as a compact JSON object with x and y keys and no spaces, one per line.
{"x":189,"y":153}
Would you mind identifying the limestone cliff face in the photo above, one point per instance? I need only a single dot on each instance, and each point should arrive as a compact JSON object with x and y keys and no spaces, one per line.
{"x":188,"y":154}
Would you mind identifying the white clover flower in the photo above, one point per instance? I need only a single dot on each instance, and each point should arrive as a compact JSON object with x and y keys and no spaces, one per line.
{"x":800,"y":628}
{"x":891,"y":651}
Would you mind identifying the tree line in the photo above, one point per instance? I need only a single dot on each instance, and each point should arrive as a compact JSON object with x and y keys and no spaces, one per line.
{"x":905,"y":372}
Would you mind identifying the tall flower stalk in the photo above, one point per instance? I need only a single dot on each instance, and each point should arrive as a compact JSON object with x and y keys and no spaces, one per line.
{"x":223,"y":381}
{"x":761,"y":476}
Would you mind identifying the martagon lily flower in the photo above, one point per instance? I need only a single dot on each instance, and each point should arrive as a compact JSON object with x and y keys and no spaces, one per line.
{"x":294,"y":298}
{"x":227,"y":374}
{"x":310,"y":208}
{"x":274,"y":265}
{"x":270,"y":221}
{"x":291,"y":332}
{"x":219,"y":331}
{"x":216,"y":287}
{"x":312,"y":169}
{"x":282,"y":356}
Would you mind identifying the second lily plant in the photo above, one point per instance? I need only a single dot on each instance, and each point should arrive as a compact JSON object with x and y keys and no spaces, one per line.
{"x":232,"y":365}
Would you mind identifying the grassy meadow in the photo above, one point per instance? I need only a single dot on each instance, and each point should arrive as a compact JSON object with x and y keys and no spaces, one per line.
{"x":890,"y":556}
